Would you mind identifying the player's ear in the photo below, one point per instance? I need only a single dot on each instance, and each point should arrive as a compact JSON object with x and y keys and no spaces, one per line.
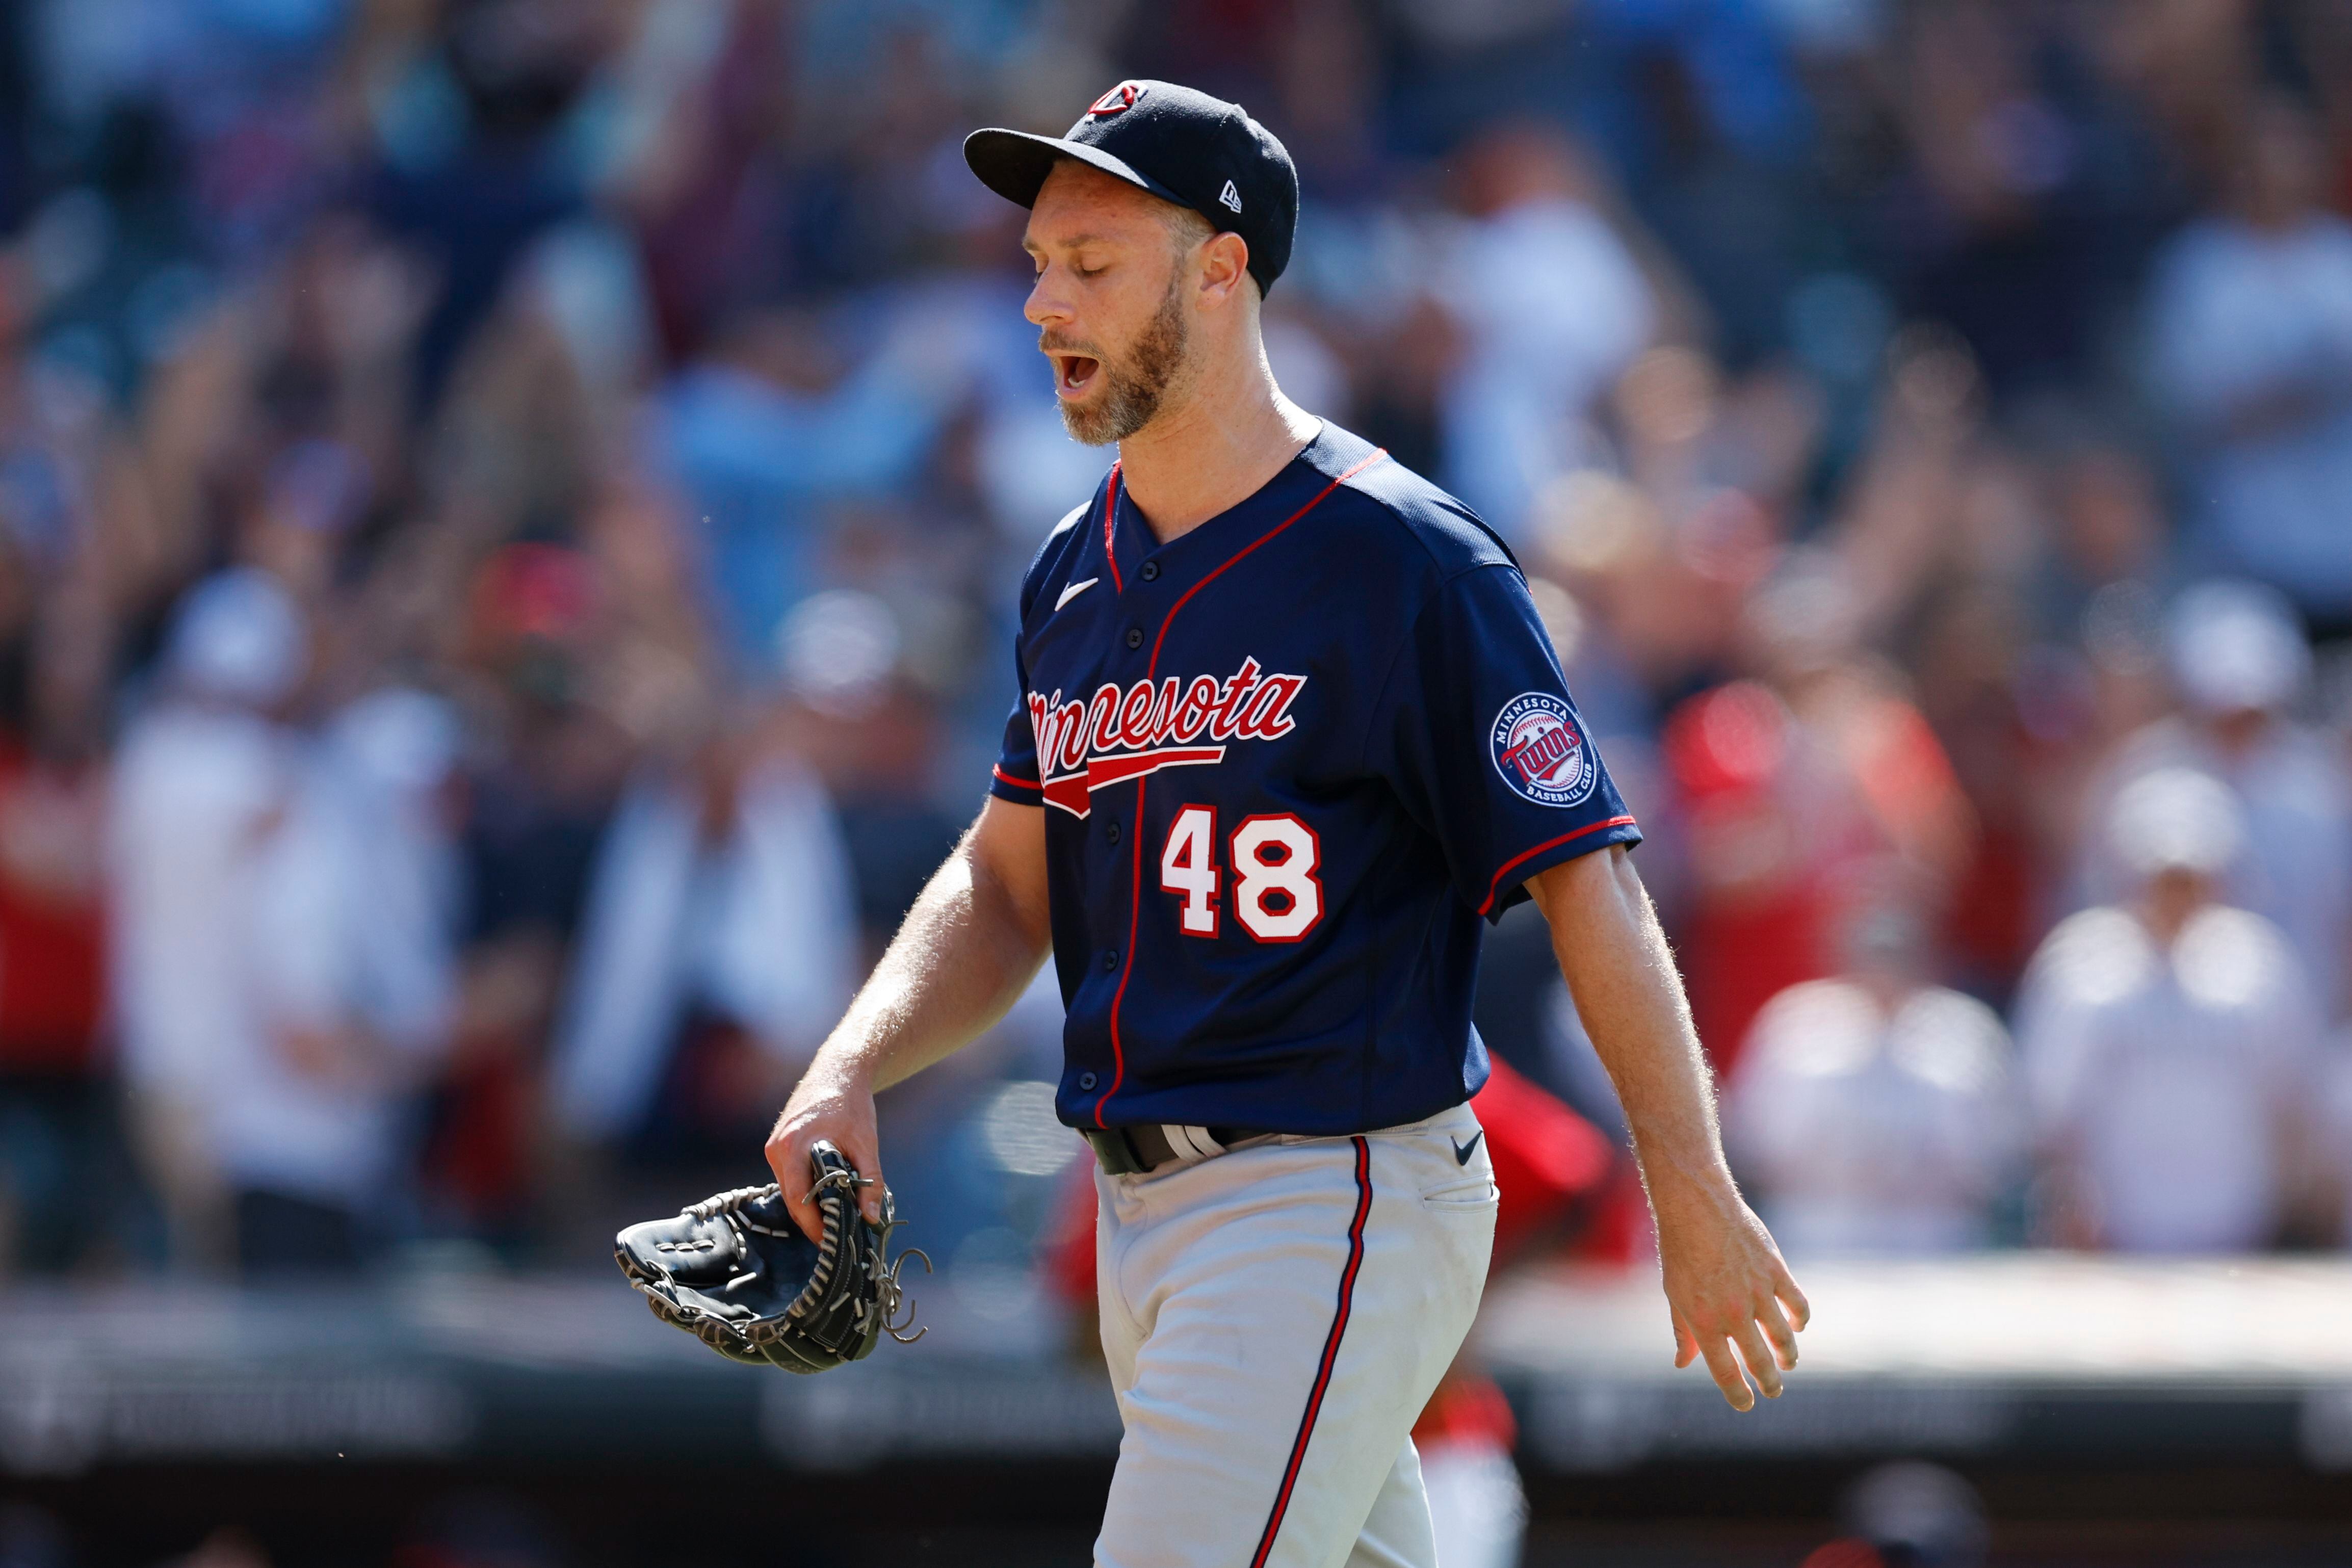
{"x":1225,"y":267}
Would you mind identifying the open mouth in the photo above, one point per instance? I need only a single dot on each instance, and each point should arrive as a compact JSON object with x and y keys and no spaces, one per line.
{"x":1072,"y":374}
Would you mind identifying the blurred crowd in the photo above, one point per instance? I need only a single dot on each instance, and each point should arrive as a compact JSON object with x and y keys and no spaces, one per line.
{"x":511,"y":511}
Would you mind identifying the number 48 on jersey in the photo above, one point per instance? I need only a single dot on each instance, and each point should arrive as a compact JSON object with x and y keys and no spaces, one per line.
{"x":1275,"y":894}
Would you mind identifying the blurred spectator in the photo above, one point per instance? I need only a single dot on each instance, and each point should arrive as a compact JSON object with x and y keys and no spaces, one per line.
{"x":1788,"y":791}
{"x":627,"y":425}
{"x":2251,"y":325}
{"x":1549,"y":305}
{"x":1770,"y":826}
{"x":536,"y":797}
{"x":284,"y":916}
{"x":60,"y":1140}
{"x":719,"y":944}
{"x":2167,"y":1043}
{"x":785,"y":420}
{"x":1660,"y":620}
{"x":2009,"y":741}
{"x":2110,"y":529}
{"x":871,"y":726}
{"x":1874,"y":1113}
{"x":353,"y":961}
{"x":207,"y":777}
{"x":1999,"y":218}
{"x":2241,"y":667}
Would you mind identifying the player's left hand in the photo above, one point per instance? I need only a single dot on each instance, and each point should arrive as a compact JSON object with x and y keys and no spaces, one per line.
{"x":1732,"y":1297}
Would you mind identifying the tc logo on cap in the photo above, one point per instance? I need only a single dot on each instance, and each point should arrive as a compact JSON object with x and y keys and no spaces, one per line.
{"x":1121,"y":96}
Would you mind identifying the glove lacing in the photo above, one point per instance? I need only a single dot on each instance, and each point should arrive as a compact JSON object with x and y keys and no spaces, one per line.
{"x":898,"y":1308}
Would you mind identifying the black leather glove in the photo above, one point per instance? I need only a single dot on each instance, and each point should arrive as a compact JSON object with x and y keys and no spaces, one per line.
{"x":735,"y":1271}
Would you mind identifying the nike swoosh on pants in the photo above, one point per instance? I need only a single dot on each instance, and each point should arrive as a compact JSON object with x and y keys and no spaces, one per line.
{"x":1462,"y":1152}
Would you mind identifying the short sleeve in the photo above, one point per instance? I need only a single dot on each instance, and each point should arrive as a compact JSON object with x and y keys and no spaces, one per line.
{"x":1477,"y":732}
{"x":1016,"y":777}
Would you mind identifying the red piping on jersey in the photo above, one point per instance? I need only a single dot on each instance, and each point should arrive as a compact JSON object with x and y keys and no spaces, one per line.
{"x":1110,"y":508}
{"x":1151,"y":672}
{"x":1330,"y":1351}
{"x":1495,"y":885}
{"x":1018,"y":783}
{"x":1154,"y":667}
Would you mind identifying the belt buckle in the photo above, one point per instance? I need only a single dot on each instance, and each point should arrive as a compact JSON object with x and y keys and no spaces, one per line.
{"x":1192,"y":1143}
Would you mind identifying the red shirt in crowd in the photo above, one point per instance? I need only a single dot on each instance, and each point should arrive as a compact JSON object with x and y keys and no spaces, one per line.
{"x":52,"y":916}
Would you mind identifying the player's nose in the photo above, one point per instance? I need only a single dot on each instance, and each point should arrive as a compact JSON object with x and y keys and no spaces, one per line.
{"x":1047,"y":305}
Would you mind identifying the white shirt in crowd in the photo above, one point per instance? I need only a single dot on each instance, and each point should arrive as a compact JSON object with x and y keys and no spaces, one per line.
{"x":2296,"y":868}
{"x":1552,"y":306}
{"x":261,"y":884}
{"x":198,"y":788}
{"x":1867,"y":1131}
{"x":2236,"y":312}
{"x":2166,"y":1080}
{"x":353,"y":935}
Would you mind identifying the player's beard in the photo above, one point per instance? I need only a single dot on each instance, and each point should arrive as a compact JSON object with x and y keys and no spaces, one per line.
{"x":1132,"y":392}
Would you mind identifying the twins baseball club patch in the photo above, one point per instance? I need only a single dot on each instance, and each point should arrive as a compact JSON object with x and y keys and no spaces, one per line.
{"x":1539,"y":751}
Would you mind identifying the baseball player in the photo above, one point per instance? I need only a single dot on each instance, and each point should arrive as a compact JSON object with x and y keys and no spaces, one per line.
{"x":1289,"y":729}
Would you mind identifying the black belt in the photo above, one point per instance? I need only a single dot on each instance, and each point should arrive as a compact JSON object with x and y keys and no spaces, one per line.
{"x":1131,"y":1150}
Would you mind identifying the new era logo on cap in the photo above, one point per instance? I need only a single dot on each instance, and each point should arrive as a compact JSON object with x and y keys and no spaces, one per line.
{"x":1178,"y":143}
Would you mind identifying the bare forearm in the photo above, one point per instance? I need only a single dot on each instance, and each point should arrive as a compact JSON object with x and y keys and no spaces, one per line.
{"x":1622,"y":976}
{"x":965,"y":954}
{"x":1728,"y":1292}
{"x":971,"y":944}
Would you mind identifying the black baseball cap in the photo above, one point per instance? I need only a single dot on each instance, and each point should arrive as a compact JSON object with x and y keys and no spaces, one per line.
{"x":1179,"y":144}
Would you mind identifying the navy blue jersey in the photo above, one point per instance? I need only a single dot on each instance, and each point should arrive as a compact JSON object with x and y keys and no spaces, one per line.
{"x":1288,"y":760}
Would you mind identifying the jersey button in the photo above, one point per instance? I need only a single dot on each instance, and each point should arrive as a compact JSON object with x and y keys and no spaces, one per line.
{"x":1151,"y":571}
{"x":1135,"y":637}
{"x":1111,"y":832}
{"x":1110,"y":960}
{"x":1085,"y":1081}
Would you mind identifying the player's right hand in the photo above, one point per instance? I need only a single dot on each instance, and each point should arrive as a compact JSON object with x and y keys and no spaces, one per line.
{"x":836,"y":1106}
{"x":1730,"y":1294}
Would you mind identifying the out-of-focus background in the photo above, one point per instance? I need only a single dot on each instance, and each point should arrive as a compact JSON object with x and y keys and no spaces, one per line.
{"x":510,"y":517}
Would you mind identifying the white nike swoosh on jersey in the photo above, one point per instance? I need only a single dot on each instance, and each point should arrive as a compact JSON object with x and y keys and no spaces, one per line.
{"x":1074,"y":590}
